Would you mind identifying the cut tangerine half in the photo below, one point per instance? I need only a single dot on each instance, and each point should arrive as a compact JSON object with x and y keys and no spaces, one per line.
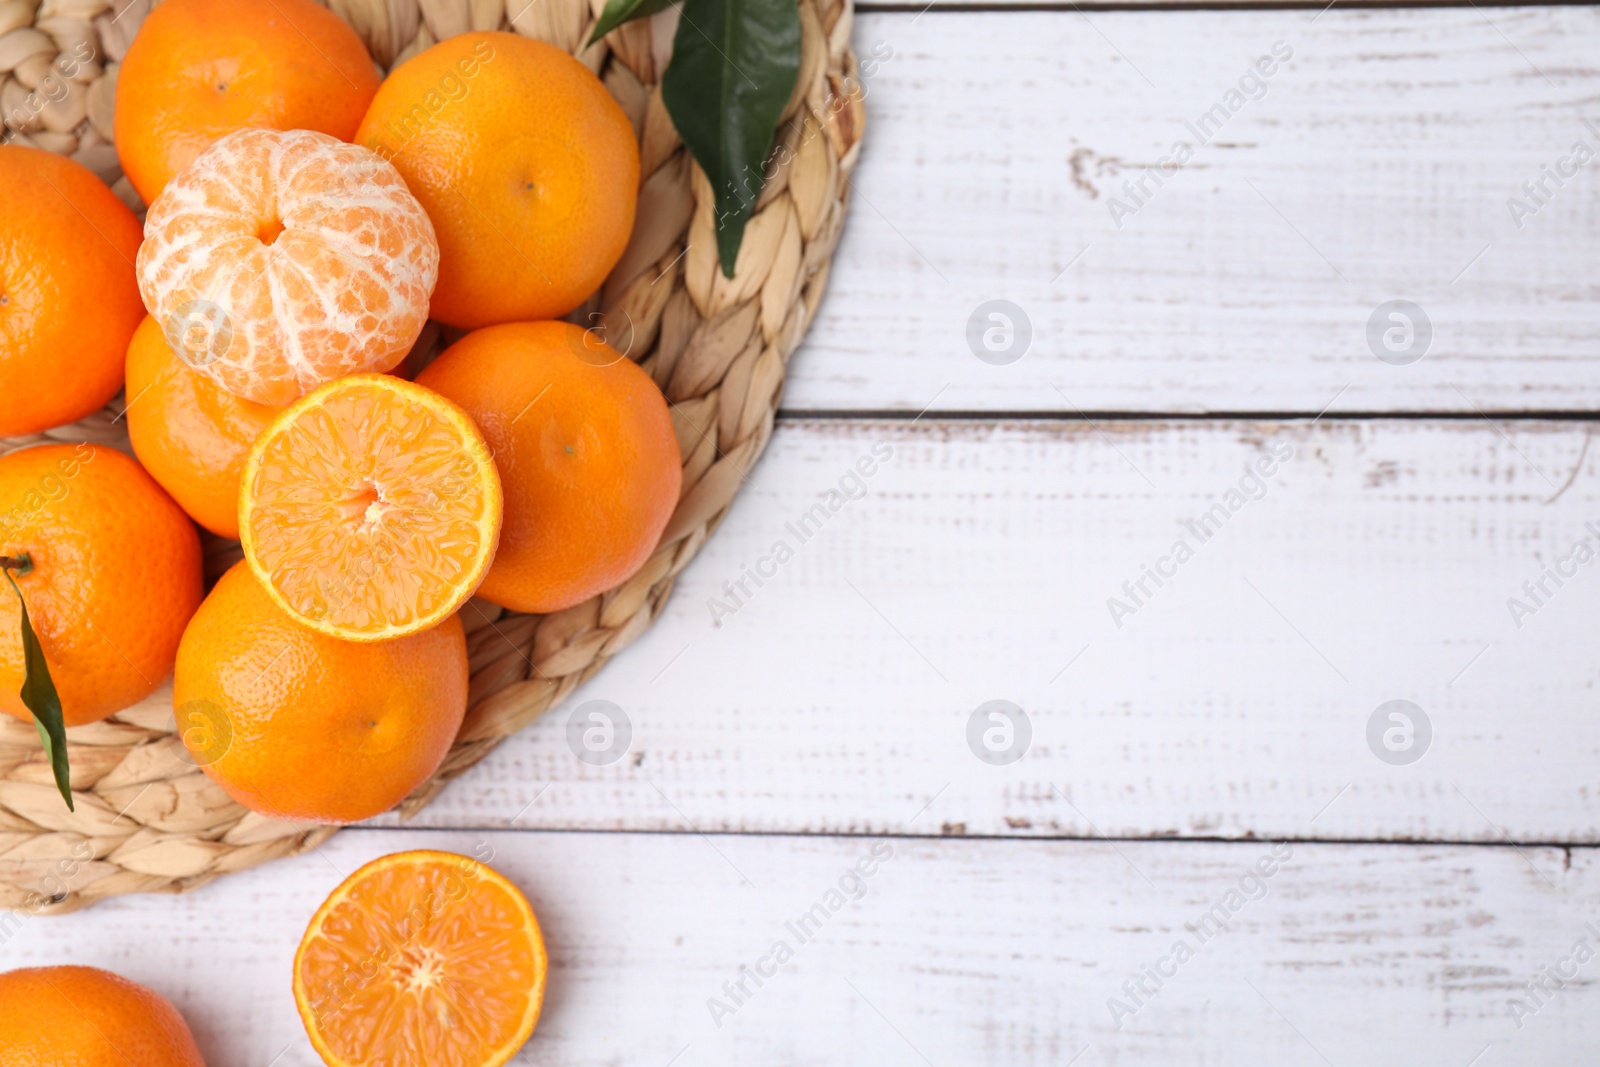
{"x":370,"y":509}
{"x":421,"y":958}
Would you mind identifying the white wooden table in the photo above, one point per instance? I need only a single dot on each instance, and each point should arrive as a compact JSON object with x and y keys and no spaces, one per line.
{"x":1027,"y":913}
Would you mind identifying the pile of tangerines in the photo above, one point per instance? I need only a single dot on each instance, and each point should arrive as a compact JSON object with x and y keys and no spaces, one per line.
{"x":306,"y":220}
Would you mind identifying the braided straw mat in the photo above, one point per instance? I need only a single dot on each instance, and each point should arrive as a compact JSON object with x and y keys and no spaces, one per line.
{"x":147,"y":819}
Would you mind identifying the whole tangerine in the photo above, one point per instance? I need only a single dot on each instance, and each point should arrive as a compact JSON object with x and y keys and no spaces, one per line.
{"x":86,"y":1017}
{"x":200,"y":69}
{"x":295,"y":724}
{"x":113,"y":574}
{"x":527,"y":166}
{"x":190,"y":434}
{"x":589,"y":463}
{"x":68,"y":297}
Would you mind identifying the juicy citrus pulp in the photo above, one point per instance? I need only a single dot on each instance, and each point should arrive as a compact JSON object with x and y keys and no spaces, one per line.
{"x":370,"y":509}
{"x":421,"y":957}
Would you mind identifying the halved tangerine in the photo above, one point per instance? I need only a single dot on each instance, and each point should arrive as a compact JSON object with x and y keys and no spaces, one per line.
{"x":370,"y":509}
{"x":421,"y":958}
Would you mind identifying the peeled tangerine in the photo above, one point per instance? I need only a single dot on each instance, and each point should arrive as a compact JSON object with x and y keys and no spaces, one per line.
{"x":282,"y":260}
{"x":370,"y":509}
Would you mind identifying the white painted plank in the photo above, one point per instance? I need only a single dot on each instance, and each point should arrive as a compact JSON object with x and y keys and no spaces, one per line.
{"x":978,"y":565}
{"x":957,"y":952}
{"x":1092,"y":6}
{"x":1377,"y":166}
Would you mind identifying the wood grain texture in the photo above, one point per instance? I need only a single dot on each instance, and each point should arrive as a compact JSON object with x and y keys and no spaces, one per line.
{"x":956,"y":952}
{"x":977,"y":562}
{"x":1311,"y":7}
{"x":1377,"y":165}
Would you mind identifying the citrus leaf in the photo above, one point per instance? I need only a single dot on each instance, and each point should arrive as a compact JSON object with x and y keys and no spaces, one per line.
{"x":40,"y":696}
{"x":619,"y":11}
{"x":734,"y":64}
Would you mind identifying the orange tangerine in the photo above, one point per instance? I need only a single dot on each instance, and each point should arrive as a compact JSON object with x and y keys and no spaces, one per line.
{"x":586,"y":452}
{"x":68,"y":298}
{"x":281,"y":260}
{"x":200,"y":69}
{"x":371,"y":508}
{"x":86,"y":1017}
{"x":527,"y":166}
{"x":114,"y":575}
{"x":421,"y":957}
{"x":190,"y":434}
{"x":298,"y":725}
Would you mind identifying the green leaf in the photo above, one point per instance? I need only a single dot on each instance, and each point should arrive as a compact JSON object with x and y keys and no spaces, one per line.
{"x":734,"y":64}
{"x":619,"y":11}
{"x":40,"y":696}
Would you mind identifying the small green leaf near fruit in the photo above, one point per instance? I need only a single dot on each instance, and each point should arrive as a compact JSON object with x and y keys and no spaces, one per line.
{"x":39,"y":690}
{"x":734,"y":65}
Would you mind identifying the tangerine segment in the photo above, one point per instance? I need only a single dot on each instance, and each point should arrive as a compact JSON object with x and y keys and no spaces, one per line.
{"x":371,"y":508}
{"x":281,"y":260}
{"x":421,"y":957}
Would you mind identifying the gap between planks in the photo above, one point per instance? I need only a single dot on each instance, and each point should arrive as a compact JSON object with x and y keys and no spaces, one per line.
{"x":1087,"y":839}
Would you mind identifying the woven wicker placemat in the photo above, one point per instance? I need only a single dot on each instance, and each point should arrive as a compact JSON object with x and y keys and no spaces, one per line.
{"x":147,"y":819}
